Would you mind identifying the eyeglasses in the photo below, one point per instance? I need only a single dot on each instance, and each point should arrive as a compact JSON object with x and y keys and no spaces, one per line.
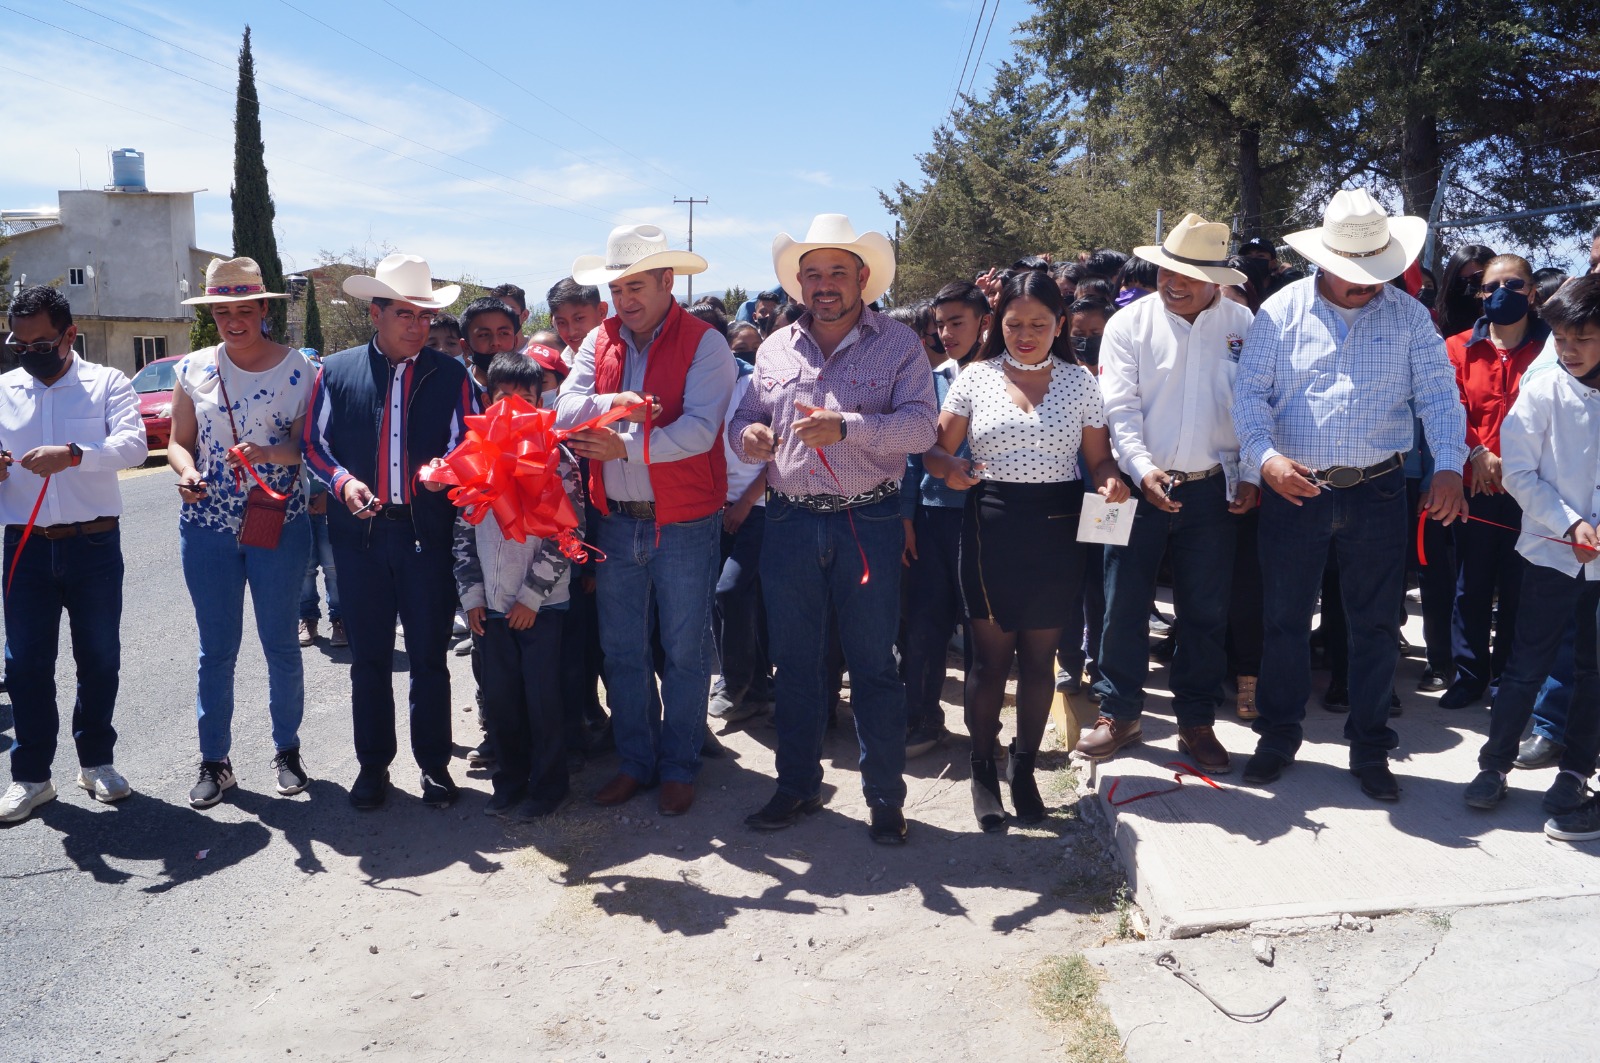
{"x":1513,"y":284}
{"x":41,"y":347}
{"x":408,"y":316}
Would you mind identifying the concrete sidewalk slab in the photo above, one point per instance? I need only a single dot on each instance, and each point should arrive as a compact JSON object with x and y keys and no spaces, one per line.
{"x":1312,"y":844}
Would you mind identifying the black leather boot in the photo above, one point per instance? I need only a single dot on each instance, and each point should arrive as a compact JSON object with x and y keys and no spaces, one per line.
{"x":986,"y":796}
{"x":1024,"y":792}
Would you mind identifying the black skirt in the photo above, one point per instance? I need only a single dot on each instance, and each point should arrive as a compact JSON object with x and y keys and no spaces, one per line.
{"x":1021,"y":562}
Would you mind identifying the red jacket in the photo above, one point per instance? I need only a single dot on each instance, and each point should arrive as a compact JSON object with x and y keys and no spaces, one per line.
{"x":1488,"y":379}
{"x":692,"y":487}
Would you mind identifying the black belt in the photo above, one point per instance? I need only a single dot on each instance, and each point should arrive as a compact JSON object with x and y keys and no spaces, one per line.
{"x":636,"y":510}
{"x":835,"y":503}
{"x":1180,"y":477}
{"x":395,"y":511}
{"x":67,"y":531}
{"x":1343,"y":476}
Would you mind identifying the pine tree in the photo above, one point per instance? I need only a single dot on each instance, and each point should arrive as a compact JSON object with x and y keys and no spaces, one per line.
{"x":253,"y":212}
{"x":313,"y":318}
{"x":203,"y":333}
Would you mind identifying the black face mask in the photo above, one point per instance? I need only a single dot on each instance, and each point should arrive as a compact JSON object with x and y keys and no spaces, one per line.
{"x":481,"y":360}
{"x":44,"y":366}
{"x":1087,"y":349}
{"x":1426,"y":296}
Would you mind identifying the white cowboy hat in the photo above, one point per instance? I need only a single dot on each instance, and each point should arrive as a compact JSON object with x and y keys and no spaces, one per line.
{"x":406,"y":278}
{"x":835,"y":230}
{"x":233,"y":280}
{"x":634,"y":249}
{"x":1195,"y":248}
{"x":1359,"y":242}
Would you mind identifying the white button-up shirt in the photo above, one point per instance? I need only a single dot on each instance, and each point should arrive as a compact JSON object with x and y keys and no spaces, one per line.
{"x":1550,"y":457}
{"x":1168,"y":386}
{"x":91,"y":405}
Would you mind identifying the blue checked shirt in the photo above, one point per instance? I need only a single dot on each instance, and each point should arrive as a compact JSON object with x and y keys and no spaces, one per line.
{"x":1318,"y":392}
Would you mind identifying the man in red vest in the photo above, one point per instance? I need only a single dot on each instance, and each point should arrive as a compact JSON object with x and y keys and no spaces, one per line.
{"x":659,"y":479}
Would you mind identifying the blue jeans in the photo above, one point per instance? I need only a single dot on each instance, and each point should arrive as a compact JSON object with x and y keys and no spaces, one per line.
{"x":1561,"y":600}
{"x":811,"y":572}
{"x":321,"y":553}
{"x":1489,"y":564}
{"x":82,"y":575}
{"x":1079,"y":650}
{"x":217,"y":569}
{"x":1555,"y":697}
{"x":933,"y":610}
{"x":1200,"y":538}
{"x":393,"y":576}
{"x":737,"y":626}
{"x":666,"y":585}
{"x":1366,"y":526}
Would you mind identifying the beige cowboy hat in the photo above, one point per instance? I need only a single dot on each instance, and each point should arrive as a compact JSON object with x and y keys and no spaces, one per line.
{"x":835,"y":230}
{"x":1195,"y":248}
{"x":1359,"y":242}
{"x":634,"y":249}
{"x":406,"y":278}
{"x":233,"y":280}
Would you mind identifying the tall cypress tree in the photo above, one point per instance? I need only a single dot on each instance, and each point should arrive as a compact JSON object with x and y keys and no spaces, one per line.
{"x":252,"y":200}
{"x":313,"y":318}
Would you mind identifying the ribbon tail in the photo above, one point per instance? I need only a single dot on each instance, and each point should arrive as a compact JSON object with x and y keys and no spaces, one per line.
{"x":26,"y":533}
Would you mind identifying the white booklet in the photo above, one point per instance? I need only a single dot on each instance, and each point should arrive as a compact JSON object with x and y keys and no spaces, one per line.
{"x":1106,"y":522}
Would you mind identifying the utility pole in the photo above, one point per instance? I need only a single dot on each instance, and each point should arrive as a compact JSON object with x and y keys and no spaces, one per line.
{"x":691,"y":201}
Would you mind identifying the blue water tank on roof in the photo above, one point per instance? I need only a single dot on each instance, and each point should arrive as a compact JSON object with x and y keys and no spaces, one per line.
{"x":127,"y":170}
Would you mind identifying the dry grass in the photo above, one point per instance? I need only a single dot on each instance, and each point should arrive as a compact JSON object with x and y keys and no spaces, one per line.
{"x":1066,"y":991}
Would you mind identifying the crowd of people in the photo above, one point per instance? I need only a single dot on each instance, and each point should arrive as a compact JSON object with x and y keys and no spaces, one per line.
{"x":804,"y":486}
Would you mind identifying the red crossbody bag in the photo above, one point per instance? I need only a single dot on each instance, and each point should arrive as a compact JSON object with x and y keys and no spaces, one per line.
{"x":265,"y":510}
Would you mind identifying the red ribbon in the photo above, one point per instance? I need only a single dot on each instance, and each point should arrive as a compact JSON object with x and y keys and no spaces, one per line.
{"x":238,"y":478}
{"x":508,"y":464}
{"x":866,"y":573}
{"x":26,"y":532}
{"x":1182,"y":770}
{"x":1422,"y":523}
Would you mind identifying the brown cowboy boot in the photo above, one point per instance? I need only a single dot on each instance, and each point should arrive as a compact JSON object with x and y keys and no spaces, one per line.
{"x":1201,"y":744}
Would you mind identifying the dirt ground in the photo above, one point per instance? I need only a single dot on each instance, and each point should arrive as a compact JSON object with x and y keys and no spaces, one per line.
{"x":619,"y":934}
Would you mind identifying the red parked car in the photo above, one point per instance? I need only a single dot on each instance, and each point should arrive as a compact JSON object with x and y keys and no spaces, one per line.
{"x":154,"y":383}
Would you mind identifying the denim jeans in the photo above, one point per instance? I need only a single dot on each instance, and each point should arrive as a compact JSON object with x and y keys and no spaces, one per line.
{"x":522,"y":706}
{"x":933,"y":610}
{"x":393,"y":576}
{"x":217,"y":570}
{"x":811,"y":572}
{"x":82,"y":575}
{"x":1079,"y":651}
{"x":738,"y":628}
{"x":1561,"y":598}
{"x":1555,"y":697}
{"x":1489,"y":565}
{"x":1365,"y":525}
{"x":1200,"y":537}
{"x":320,"y":554}
{"x":1436,"y":580}
{"x":1244,"y":606}
{"x":657,"y":585}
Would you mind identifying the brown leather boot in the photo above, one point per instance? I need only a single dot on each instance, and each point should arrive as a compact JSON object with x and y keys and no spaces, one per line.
{"x":1202,"y":745}
{"x":1109,"y":736}
{"x":1246,"y":705}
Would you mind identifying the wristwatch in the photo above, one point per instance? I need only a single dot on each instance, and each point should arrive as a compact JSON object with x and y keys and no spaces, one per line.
{"x":77,"y":455}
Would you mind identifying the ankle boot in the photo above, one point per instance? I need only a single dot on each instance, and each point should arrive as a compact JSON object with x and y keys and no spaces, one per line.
{"x":986,"y":796}
{"x":1024,"y":792}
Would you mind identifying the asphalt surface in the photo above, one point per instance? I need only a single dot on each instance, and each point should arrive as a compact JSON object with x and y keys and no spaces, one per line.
{"x":117,"y":922}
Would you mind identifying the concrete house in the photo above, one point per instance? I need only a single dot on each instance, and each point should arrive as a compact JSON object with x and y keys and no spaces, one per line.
{"x":124,"y":256}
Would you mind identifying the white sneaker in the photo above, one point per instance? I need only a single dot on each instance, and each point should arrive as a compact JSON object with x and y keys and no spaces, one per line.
{"x":105,"y":783}
{"x":459,"y":628}
{"x":22,"y":798}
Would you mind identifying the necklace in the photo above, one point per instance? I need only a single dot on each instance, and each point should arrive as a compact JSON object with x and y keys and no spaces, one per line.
{"x":1024,"y":366}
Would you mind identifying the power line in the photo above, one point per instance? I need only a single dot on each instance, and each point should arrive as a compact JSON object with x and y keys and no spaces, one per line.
{"x":329,"y":107}
{"x":318,"y":125}
{"x":535,"y":96}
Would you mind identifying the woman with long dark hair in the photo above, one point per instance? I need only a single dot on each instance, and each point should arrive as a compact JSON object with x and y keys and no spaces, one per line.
{"x":1456,"y":305}
{"x":1027,"y":410}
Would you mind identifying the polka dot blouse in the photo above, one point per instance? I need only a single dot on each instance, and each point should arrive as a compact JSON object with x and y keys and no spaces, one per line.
{"x":1019,"y":447}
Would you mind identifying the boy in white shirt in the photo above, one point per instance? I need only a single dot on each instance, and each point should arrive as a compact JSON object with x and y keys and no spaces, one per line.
{"x":1550,"y":462}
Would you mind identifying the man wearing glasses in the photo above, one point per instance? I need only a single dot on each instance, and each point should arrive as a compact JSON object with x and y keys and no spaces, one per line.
{"x":379,"y":413}
{"x":66,"y":427}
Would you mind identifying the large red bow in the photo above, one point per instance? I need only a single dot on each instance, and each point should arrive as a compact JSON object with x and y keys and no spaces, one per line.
{"x":509,"y":465}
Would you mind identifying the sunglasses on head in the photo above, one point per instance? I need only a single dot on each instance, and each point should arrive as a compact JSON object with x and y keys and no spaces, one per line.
{"x":41,"y":347}
{"x":1513,"y":284}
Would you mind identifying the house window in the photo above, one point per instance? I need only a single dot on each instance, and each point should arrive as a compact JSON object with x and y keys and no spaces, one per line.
{"x":75,"y":276}
{"x":147,"y":349}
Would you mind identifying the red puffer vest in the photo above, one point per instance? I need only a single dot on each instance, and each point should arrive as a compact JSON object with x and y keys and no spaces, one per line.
{"x":689,"y":488}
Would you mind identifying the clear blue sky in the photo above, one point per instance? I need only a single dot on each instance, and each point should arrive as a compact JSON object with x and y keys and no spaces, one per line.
{"x":498,"y":140}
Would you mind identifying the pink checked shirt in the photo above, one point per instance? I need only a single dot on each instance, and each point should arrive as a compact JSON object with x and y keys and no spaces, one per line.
{"x":878,"y":378}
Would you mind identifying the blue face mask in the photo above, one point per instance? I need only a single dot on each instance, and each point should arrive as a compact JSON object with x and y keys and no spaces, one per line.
{"x":1505,"y":307}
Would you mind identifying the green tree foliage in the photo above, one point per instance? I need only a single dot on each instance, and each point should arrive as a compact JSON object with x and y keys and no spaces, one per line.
{"x":733,"y":298}
{"x":203,"y":333}
{"x":253,"y":212}
{"x":313,"y":330}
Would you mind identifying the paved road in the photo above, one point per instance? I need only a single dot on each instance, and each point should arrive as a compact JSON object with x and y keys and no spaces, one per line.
{"x":112,"y":927}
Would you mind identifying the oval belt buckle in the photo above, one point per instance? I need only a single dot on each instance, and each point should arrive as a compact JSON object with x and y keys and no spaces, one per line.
{"x":1178,"y":478}
{"x":1345,"y":476}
